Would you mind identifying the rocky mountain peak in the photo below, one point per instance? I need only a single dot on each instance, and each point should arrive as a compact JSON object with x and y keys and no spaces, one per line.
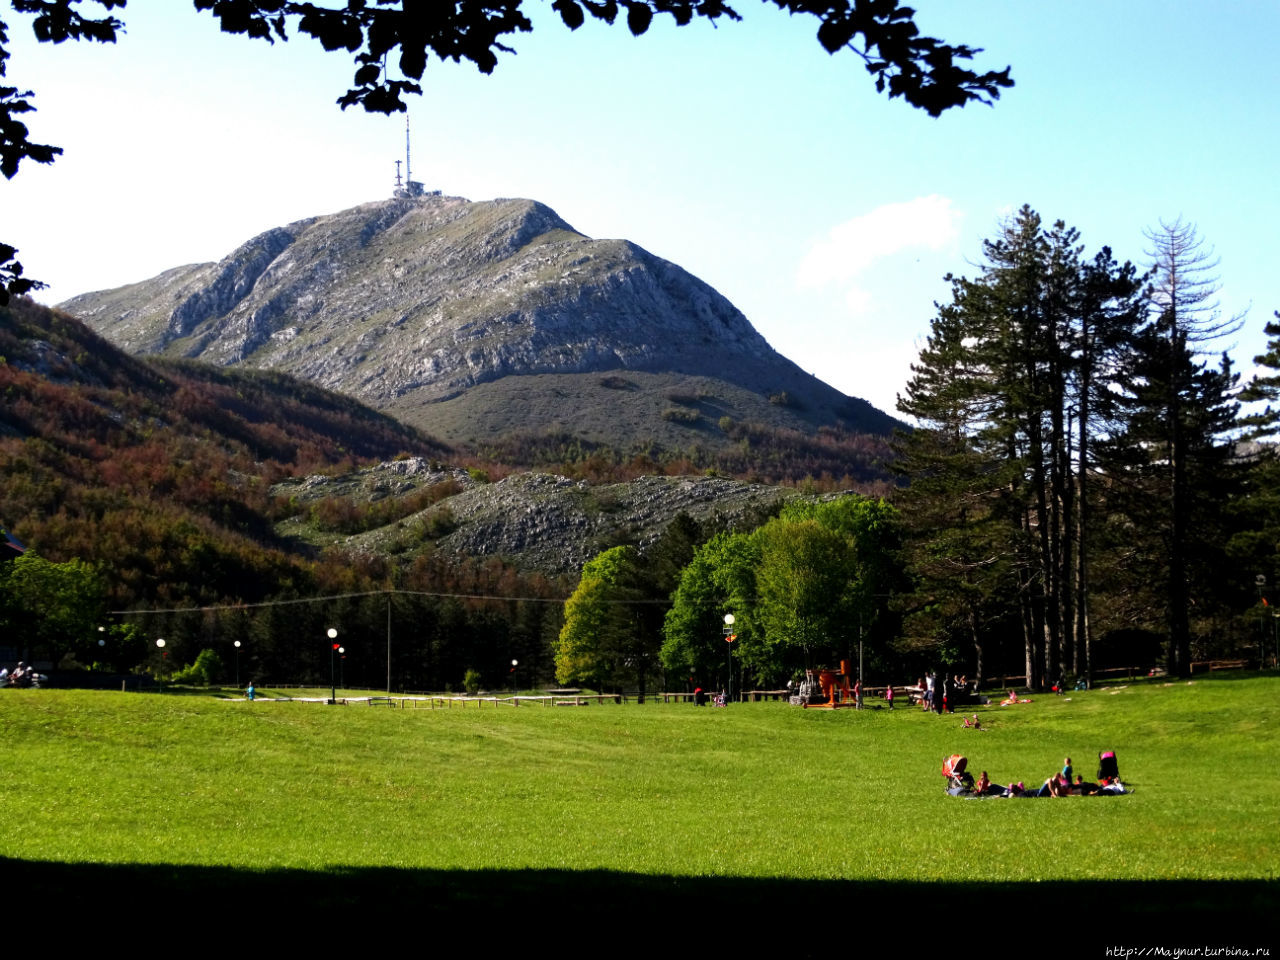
{"x":410,"y":302}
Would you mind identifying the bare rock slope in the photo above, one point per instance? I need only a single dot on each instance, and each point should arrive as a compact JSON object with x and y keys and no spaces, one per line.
{"x":537,"y":521}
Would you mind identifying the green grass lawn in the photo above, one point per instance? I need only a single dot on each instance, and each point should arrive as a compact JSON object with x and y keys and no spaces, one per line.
{"x":762,"y":794}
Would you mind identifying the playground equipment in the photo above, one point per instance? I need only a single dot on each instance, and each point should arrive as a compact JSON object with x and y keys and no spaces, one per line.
{"x":834,"y":686}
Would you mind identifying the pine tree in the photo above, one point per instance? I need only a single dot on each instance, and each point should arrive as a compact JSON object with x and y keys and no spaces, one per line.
{"x":960,"y":547}
{"x":1174,"y":474}
{"x":1255,"y":544}
{"x":1193,"y":403}
{"x":1008,"y":392}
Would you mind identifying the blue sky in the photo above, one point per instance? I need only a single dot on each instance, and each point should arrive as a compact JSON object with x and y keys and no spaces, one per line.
{"x":744,"y":153}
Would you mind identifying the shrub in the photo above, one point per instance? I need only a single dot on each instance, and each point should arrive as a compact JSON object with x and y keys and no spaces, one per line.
{"x":437,"y":524}
{"x":206,"y":670}
{"x":471,"y":682}
{"x":681,"y":415}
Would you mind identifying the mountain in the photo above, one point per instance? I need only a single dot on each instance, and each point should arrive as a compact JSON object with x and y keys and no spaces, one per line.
{"x":480,"y":322}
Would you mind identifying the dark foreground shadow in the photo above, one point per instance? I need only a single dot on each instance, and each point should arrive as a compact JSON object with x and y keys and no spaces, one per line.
{"x":636,"y":912}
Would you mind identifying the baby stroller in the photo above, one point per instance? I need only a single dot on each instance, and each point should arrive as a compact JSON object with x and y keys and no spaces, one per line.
{"x":959,"y":780}
{"x":1108,"y":767}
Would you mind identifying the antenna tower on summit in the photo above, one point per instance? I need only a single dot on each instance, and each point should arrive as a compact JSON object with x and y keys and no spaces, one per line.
{"x":410,"y":187}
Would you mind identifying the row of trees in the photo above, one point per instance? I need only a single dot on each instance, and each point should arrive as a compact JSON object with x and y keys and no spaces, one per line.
{"x":1071,"y":432}
{"x":391,"y":621}
{"x":804,"y":588}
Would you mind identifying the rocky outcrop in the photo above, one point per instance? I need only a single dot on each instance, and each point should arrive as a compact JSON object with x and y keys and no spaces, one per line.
{"x":537,"y":521}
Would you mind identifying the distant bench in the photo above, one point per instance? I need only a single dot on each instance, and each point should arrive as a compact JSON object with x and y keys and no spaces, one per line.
{"x":677,"y":697}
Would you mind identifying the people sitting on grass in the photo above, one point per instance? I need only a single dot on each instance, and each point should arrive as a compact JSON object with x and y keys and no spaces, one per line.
{"x":22,"y":675}
{"x":1081,"y":788}
{"x":1055,"y":786}
{"x":985,"y":788}
{"x":960,"y":783}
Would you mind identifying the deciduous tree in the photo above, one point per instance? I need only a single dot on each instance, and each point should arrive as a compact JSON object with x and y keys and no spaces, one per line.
{"x":802,"y":588}
{"x":1182,"y":415}
{"x":603,"y":641}
{"x":51,"y":609}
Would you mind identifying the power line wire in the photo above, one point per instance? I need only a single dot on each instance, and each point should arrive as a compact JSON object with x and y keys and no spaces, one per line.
{"x":348,"y":596}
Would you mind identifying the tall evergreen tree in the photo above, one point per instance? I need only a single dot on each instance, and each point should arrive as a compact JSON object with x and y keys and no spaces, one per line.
{"x":1183,"y":412}
{"x":1007,"y":392}
{"x":1174,"y":474}
{"x":960,"y":548}
{"x":1255,"y":544}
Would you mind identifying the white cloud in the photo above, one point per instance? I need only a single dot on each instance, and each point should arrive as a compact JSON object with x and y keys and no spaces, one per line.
{"x":850,"y":248}
{"x":857,"y":300}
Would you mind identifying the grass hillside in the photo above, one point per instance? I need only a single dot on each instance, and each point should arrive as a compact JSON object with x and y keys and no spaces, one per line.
{"x":624,"y":807}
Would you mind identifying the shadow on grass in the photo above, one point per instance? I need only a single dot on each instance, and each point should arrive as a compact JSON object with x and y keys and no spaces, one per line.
{"x":803,"y":914}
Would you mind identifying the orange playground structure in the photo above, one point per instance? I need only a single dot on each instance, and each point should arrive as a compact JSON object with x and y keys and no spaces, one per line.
{"x":835,"y":687}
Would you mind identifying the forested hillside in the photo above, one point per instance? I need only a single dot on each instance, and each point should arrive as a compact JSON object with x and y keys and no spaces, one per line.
{"x":158,"y":475}
{"x":154,"y":480}
{"x":162,"y":470}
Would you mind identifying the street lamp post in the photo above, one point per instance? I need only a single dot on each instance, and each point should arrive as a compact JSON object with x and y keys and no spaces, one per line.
{"x":514,"y":664}
{"x":333,"y":684}
{"x":729,"y":637}
{"x":237,"y":646}
{"x":342,"y":666}
{"x":1260,"y":581}
{"x":160,"y":669}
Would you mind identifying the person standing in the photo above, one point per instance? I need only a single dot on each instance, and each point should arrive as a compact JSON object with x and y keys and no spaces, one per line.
{"x":249,"y":692}
{"x":888,"y":695}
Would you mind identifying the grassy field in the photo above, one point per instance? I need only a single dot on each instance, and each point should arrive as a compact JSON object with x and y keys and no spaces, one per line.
{"x":755,"y":803}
